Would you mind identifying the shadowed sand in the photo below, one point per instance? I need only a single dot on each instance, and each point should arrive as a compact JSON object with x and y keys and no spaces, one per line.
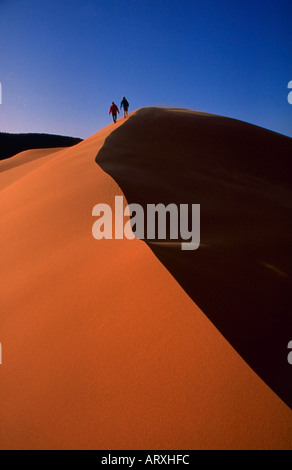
{"x":240,"y":174}
{"x":102,"y":348}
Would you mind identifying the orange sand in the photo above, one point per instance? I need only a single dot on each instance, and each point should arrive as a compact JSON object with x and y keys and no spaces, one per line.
{"x":102,"y":349}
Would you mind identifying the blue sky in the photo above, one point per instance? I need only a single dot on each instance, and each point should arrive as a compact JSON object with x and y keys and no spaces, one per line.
{"x":63,"y":62}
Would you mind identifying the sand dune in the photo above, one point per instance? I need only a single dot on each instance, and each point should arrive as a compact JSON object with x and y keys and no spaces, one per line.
{"x":22,"y":163}
{"x":102,"y":347}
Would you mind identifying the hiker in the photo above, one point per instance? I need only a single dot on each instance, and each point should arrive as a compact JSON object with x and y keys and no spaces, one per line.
{"x":114,"y":110}
{"x":125,"y":105}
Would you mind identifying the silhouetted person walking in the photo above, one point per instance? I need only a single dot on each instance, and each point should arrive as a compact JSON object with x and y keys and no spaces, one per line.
{"x":113,"y":111}
{"x":125,"y":105}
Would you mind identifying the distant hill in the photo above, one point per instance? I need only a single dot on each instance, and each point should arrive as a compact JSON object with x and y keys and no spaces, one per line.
{"x":11,"y":144}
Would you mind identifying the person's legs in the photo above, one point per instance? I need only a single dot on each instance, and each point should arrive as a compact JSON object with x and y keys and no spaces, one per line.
{"x":114,"y":117}
{"x":125,"y":112}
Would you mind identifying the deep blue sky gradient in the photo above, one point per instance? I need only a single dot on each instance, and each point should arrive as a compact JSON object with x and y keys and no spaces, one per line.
{"x":63,"y":62}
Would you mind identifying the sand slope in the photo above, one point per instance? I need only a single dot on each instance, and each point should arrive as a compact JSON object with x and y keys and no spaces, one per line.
{"x":22,"y":163}
{"x":102,"y":348}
